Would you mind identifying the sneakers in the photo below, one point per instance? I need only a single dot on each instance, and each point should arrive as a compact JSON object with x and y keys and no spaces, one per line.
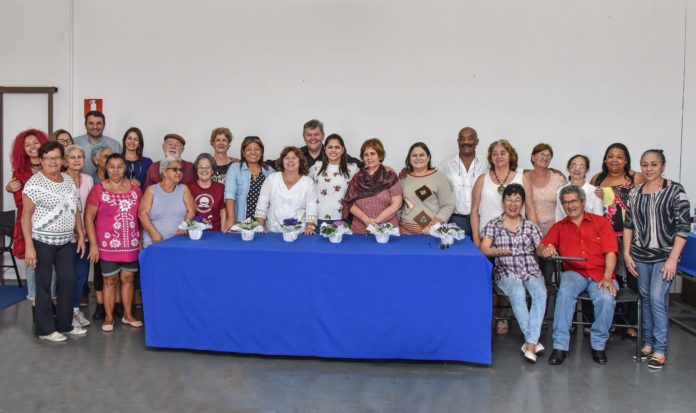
{"x":79,"y":319}
{"x":55,"y":337}
{"x":76,"y":331}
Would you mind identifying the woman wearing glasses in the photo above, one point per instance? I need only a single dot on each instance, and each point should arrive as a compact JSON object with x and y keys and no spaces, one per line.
{"x":208,"y":195}
{"x":165,"y":204}
{"x":577,"y":166}
{"x":545,"y":185}
{"x":136,"y":163}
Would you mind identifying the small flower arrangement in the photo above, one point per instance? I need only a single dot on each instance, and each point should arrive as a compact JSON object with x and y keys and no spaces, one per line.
{"x":447,"y":233}
{"x":383,"y":231}
{"x":334,"y":231}
{"x":195,"y":227}
{"x":248,"y":228}
{"x":290,"y":228}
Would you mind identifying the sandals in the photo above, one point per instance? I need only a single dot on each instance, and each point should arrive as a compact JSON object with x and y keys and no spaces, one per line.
{"x":108,"y":327}
{"x":657,"y":361}
{"x":631,"y":332}
{"x":644,"y":354}
{"x":501,"y":327}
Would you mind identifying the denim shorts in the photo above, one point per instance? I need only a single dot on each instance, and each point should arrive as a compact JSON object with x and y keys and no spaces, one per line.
{"x":111,"y":268}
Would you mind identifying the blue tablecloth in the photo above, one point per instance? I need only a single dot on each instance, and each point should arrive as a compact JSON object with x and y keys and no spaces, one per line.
{"x":407,"y":299}
{"x":687,"y":263}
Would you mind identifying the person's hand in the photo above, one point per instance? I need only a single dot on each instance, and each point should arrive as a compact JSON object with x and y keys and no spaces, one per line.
{"x":608,"y":285}
{"x":669,"y":270}
{"x":599,"y":192}
{"x":630,"y":264}
{"x":500,"y":251}
{"x":371,"y":221}
{"x":426,"y":230}
{"x":178,"y":232}
{"x":93,"y":254}
{"x":81,"y":247}
{"x":309,"y":230}
{"x":135,"y":182}
{"x":548,"y":251}
{"x":227,"y":227}
{"x":158,"y":237}
{"x":30,"y":256}
{"x":13,"y":186}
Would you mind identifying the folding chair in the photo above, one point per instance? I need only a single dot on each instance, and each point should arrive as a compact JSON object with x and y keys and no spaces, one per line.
{"x":7,"y":224}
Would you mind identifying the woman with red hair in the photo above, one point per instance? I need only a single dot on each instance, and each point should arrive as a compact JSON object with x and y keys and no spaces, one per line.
{"x":25,"y":163}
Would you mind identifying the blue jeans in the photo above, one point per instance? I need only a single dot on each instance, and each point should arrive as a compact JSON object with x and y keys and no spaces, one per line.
{"x":654,"y":295}
{"x":529,"y":319}
{"x":81,"y":273}
{"x":30,"y":275}
{"x":572,"y":285}
{"x":463,"y":222}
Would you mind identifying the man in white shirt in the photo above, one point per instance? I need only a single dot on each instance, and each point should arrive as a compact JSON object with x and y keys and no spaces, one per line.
{"x":95,"y":122}
{"x":461,"y":170}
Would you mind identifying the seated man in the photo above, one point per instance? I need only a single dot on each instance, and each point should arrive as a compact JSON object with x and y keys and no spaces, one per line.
{"x":585,"y":235}
{"x":173,"y":146}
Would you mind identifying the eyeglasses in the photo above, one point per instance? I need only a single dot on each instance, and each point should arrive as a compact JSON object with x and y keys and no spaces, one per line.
{"x":177,"y":170}
{"x":578,"y":166}
{"x":65,"y":142}
{"x":544,"y":155}
{"x":51,"y":158}
{"x":204,"y":168}
{"x":571,"y":202}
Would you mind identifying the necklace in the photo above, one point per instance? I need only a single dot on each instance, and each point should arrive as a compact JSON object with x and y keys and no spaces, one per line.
{"x":501,"y":185}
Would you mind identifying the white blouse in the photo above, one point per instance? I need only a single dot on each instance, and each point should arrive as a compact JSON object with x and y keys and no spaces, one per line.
{"x":277,"y":202}
{"x":331,"y":187}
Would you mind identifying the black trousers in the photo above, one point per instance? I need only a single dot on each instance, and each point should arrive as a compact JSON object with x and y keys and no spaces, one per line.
{"x":61,"y":257}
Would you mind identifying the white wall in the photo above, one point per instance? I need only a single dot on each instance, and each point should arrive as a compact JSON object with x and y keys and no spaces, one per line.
{"x":576,"y":74}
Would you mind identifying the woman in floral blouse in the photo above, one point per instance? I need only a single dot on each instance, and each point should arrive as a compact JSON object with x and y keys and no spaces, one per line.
{"x":331,"y":176}
{"x":111,"y":218}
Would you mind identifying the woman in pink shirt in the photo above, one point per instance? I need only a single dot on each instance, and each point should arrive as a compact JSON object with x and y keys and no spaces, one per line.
{"x":111,"y":218}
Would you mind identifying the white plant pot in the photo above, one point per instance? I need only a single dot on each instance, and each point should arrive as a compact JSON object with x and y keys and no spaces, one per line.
{"x":447,"y":240}
{"x":195,"y":234}
{"x":248,"y":235}
{"x":336,"y":238}
{"x":382,"y":238}
{"x":289,"y":236}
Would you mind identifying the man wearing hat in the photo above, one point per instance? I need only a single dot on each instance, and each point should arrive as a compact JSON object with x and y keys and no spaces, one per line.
{"x":173,"y":146}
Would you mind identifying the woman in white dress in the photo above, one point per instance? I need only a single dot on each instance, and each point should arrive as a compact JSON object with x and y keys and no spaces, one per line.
{"x":578,"y":165}
{"x":331,"y":176}
{"x":288,"y":193}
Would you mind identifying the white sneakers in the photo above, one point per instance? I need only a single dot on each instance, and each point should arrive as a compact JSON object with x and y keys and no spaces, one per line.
{"x":76,"y":331}
{"x":55,"y":337}
{"x":79,"y":319}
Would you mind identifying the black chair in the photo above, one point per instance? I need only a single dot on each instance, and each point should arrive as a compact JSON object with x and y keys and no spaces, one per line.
{"x":624,"y":295}
{"x":7,"y":224}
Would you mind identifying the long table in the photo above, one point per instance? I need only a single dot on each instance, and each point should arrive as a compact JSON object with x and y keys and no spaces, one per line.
{"x":686,"y":269}
{"x":407,"y":299}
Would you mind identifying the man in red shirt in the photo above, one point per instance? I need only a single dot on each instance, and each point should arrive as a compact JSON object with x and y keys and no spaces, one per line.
{"x":173,"y":146}
{"x":583,"y":235}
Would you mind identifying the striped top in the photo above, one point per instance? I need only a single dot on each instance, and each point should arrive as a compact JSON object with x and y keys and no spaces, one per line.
{"x":656,"y":220}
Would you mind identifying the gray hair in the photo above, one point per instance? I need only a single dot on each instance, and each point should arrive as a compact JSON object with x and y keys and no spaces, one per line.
{"x":72,"y":148}
{"x":572,"y":189}
{"x":97,"y":149}
{"x":164,"y":163}
{"x":202,"y":156}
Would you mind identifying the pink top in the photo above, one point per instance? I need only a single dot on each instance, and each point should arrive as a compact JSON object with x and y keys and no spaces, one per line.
{"x":545,"y":201}
{"x":116,"y":223}
{"x":374,"y":206}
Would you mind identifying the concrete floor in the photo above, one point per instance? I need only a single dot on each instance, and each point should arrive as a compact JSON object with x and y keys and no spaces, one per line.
{"x":115,"y":372}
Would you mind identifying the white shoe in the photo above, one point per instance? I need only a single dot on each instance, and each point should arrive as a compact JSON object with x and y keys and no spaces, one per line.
{"x":79,"y":319}
{"x":54,"y":337}
{"x":76,"y":331}
{"x":529,"y":355}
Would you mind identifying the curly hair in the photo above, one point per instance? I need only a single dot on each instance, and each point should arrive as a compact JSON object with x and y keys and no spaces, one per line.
{"x":508,"y":147}
{"x":18,"y":157}
{"x":303,"y":161}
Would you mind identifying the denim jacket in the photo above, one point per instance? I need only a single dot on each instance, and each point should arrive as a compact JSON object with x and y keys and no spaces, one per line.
{"x":237,"y":185}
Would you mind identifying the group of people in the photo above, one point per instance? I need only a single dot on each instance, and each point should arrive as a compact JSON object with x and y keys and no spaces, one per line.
{"x":74,"y":211}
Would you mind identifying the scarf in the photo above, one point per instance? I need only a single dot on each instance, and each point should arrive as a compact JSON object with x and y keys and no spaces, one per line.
{"x":364,"y":185}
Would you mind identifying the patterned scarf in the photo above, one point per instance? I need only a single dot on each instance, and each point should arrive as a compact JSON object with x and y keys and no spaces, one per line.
{"x":364,"y":185}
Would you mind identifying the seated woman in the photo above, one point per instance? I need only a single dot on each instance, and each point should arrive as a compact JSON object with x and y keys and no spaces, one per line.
{"x":98,"y":155}
{"x":165,"y":204}
{"x":374,"y":193}
{"x":111,"y":219}
{"x":331,"y":175}
{"x":515,"y":238}
{"x":208,"y":194}
{"x":428,"y":197}
{"x":288,"y":193}
{"x":244,"y":181}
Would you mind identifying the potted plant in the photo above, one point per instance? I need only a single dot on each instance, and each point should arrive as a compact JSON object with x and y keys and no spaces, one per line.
{"x":447,"y":233}
{"x":248,"y":228}
{"x":290,"y":228}
{"x":195,"y":227}
{"x":383,"y":231}
{"x":334,"y":231}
